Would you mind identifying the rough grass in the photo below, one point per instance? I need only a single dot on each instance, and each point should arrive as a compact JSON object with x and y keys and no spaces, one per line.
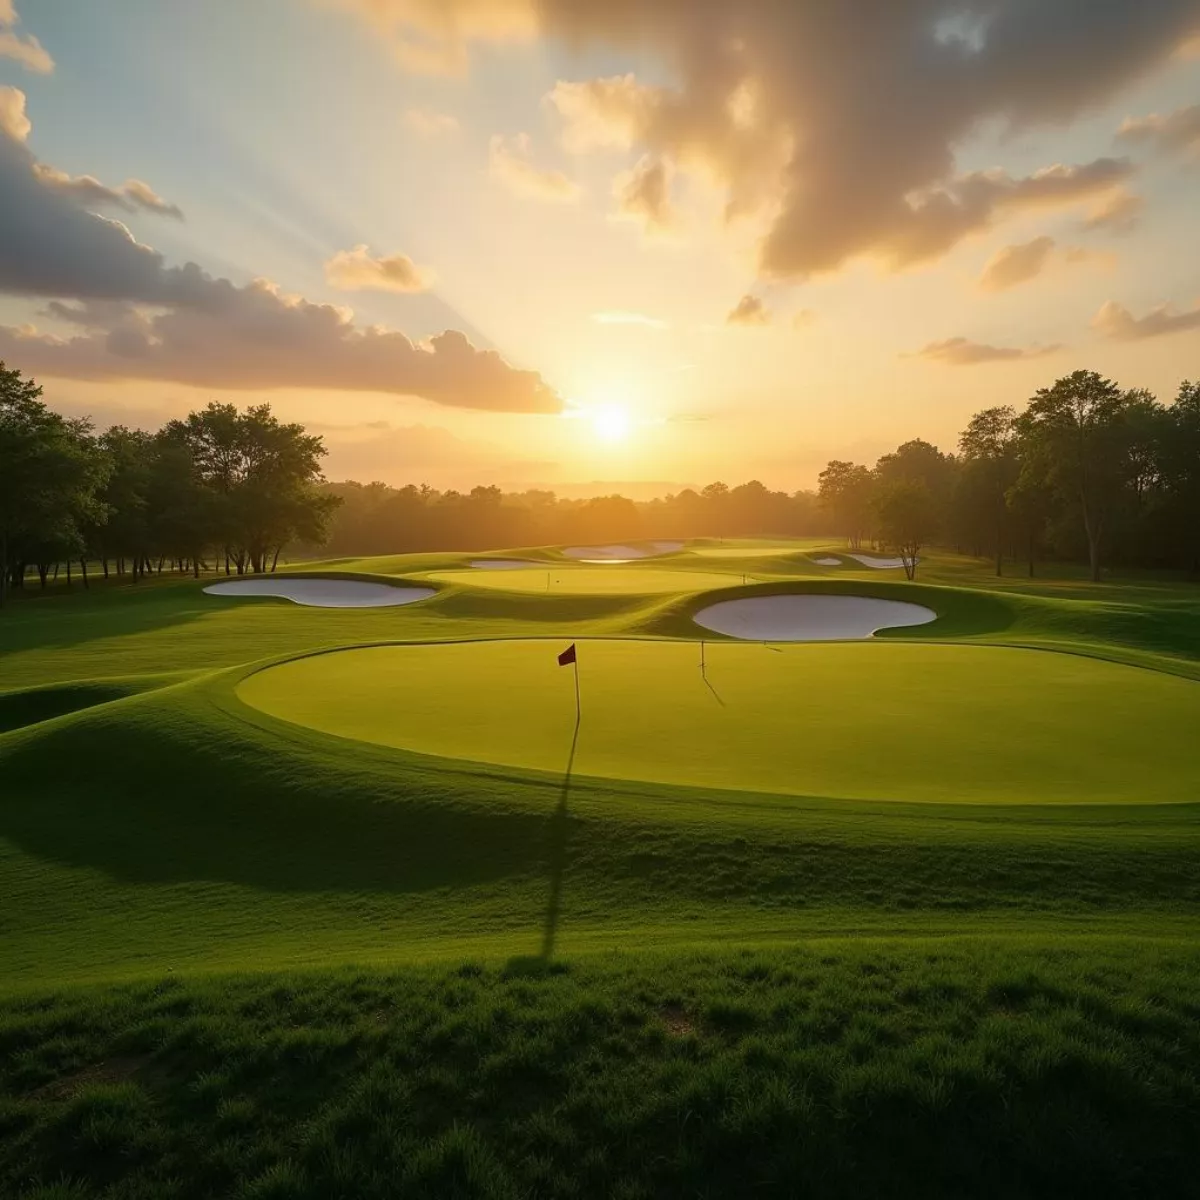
{"x":930,"y":1069}
{"x":242,"y":958}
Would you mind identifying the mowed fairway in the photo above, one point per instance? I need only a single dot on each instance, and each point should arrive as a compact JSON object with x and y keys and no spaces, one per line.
{"x":617,"y":579}
{"x":879,"y":721}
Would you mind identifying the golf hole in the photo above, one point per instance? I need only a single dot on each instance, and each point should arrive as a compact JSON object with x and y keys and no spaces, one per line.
{"x":807,"y":618}
{"x":323,"y":593}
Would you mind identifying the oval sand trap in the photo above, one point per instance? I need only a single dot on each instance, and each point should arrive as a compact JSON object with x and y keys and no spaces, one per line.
{"x":809,"y":618}
{"x":828,"y":562}
{"x":503,"y":564}
{"x":914,"y":721}
{"x":323,"y":593}
{"x":620,"y":554}
{"x":879,"y":563}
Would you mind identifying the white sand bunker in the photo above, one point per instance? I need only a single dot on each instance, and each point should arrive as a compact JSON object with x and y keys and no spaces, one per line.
{"x":828,"y":562}
{"x":808,"y":618}
{"x":620,"y":554}
{"x":323,"y":593}
{"x":503,"y":564}
{"x":873,"y":560}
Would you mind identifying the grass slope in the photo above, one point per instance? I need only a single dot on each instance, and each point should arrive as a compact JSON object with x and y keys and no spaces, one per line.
{"x":243,"y":958}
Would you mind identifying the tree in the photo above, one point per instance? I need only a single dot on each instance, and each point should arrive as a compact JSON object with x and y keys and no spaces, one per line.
{"x":50,"y":471}
{"x":1076,"y":438}
{"x":906,"y":514}
{"x":988,"y":446}
{"x":1179,"y":462}
{"x":845,"y":489}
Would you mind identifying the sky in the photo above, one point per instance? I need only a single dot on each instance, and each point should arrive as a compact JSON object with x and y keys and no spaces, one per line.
{"x":549,"y":242}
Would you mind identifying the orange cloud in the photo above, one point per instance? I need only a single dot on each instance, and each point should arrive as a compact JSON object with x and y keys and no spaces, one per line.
{"x":961,"y":352}
{"x":511,"y":163}
{"x":356,"y":270}
{"x":1117,"y":323}
{"x":750,"y":311}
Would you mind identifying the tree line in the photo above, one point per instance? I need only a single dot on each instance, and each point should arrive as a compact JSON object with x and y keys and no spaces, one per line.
{"x":219,"y":489}
{"x":1087,"y":472}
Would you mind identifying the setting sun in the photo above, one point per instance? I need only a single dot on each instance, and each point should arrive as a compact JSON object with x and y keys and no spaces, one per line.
{"x":611,"y":423}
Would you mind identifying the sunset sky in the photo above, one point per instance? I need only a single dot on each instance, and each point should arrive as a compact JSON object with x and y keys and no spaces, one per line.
{"x":556,"y":241}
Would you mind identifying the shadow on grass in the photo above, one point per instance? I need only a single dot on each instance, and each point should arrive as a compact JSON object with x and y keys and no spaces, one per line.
{"x":558,"y":854}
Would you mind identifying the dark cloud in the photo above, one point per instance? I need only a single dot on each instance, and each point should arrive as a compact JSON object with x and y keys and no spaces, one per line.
{"x":1118,"y":323}
{"x":837,"y":122}
{"x":961,"y":352}
{"x":643,"y":194}
{"x":142,"y":319}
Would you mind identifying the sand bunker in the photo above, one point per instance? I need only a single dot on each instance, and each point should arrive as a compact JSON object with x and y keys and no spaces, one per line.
{"x":873,"y":560}
{"x":620,"y":554}
{"x":323,"y":593}
{"x":828,"y":562}
{"x":809,"y":618}
{"x":504,"y":564}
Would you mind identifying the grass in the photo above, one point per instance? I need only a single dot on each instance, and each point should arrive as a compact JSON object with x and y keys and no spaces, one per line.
{"x":901,"y":721}
{"x":616,"y":579}
{"x":935,"y":1069}
{"x":239,"y":957}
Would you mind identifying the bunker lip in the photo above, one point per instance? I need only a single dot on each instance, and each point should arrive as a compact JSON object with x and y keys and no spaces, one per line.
{"x":809,"y":618}
{"x":323,"y":593}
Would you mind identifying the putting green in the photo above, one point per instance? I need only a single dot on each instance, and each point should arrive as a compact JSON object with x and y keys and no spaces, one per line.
{"x":947,"y":723}
{"x":587,"y":581}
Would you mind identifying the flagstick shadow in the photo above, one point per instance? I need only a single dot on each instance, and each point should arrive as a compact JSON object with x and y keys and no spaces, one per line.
{"x":558,"y":854}
{"x":708,"y":684}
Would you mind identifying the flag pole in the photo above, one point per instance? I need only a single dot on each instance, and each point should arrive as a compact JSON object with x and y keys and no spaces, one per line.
{"x":578,"y":710}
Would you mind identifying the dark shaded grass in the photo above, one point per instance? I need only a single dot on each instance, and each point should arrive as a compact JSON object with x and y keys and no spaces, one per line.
{"x":840,"y":1070}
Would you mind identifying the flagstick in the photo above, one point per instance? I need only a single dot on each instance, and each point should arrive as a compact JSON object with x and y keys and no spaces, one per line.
{"x":578,"y":710}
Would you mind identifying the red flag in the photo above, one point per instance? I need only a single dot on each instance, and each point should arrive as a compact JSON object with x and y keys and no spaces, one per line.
{"x":567,"y":657}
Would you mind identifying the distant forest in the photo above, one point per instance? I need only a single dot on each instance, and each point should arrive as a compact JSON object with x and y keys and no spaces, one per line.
{"x":1087,"y":472}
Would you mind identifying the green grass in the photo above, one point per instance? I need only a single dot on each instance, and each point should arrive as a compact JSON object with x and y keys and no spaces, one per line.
{"x":932,"y":1069}
{"x":615,"y":579}
{"x":900,"y":721}
{"x":240,"y":957}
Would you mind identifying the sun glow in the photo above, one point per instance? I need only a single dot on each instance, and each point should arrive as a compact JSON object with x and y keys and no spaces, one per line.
{"x":611,"y":423}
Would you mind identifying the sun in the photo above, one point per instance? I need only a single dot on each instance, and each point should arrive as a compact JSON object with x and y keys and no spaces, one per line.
{"x":611,"y":423}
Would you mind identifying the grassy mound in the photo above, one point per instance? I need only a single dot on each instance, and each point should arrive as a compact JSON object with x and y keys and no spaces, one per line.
{"x":616,"y":579}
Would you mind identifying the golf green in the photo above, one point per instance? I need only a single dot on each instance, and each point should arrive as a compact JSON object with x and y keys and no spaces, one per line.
{"x":566,"y":579}
{"x":920,"y":722}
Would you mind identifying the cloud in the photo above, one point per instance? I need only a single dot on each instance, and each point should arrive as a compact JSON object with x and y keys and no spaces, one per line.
{"x":511,"y":164}
{"x":433,"y":36}
{"x":1013,"y":265}
{"x":355,"y":270}
{"x":429,"y":124}
{"x":1117,"y":323}
{"x":255,"y":337}
{"x":27,"y":51}
{"x":1016,"y":264}
{"x":14,"y":124}
{"x":621,"y":317}
{"x":1118,"y":212}
{"x":961,"y":352}
{"x":803,"y":319}
{"x":131,"y":196}
{"x":749,"y":310}
{"x":836,"y":125}
{"x":1175,"y":133}
{"x":643,"y":194}
{"x":142,"y":319}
